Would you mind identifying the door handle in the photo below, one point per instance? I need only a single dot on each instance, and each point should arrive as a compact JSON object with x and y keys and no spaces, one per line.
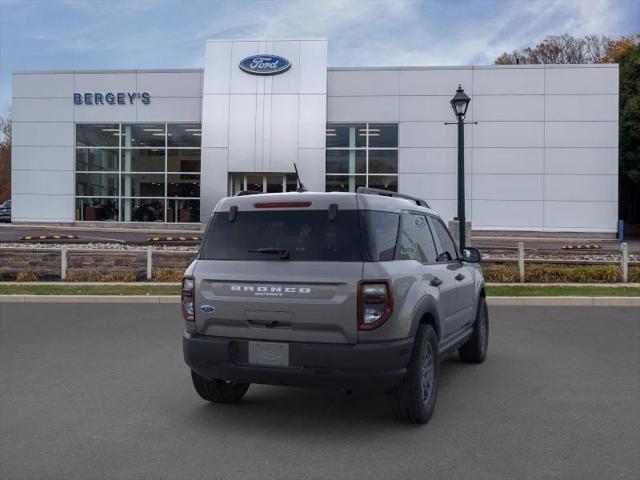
{"x":436,"y":282}
{"x":459,"y":277}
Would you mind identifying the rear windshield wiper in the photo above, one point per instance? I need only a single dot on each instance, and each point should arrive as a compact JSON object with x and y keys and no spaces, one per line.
{"x":283,"y":252}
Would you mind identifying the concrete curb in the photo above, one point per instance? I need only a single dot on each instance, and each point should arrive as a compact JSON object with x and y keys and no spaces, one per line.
{"x":89,"y":299}
{"x":565,"y":301}
{"x":174,"y":299}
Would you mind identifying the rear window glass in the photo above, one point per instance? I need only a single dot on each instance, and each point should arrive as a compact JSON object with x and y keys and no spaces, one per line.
{"x":306,"y":235}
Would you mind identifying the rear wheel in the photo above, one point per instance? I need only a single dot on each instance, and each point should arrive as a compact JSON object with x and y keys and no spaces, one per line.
{"x":475,"y":349}
{"x":218,"y":391}
{"x":415,"y":400}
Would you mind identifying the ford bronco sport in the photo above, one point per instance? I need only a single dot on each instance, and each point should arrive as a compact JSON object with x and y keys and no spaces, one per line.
{"x":345,"y":290}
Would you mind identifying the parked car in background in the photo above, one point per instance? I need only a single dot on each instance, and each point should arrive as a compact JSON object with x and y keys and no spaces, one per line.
{"x":5,"y":211}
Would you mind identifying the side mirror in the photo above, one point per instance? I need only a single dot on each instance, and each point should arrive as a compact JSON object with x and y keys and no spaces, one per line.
{"x":471,"y":255}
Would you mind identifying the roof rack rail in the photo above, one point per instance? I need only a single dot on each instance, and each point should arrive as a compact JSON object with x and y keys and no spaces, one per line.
{"x":243,"y":193}
{"x":388,"y":193}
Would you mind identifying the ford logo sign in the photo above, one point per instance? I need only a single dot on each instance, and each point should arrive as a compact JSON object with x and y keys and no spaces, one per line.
{"x":265,"y":64}
{"x":207,"y":308}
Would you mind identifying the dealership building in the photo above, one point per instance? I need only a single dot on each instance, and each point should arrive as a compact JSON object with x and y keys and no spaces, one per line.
{"x":119,"y":146}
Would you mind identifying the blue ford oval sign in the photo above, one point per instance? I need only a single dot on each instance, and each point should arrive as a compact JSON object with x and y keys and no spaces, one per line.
{"x":265,"y":64}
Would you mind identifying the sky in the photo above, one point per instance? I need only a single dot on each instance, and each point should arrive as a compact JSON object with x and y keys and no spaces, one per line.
{"x":107,"y":34}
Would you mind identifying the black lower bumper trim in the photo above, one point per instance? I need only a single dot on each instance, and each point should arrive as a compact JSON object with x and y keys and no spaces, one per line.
{"x":374,"y":365}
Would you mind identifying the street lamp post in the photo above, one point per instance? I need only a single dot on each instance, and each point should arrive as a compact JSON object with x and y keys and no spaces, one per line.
{"x":460,"y":103}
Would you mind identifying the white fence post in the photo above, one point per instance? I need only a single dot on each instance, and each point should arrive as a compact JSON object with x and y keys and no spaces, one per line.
{"x":63,"y":263}
{"x":149,"y":263}
{"x":625,"y":262}
{"x":521,"y":261}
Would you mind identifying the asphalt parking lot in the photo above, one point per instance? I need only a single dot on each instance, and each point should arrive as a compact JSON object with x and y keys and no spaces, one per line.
{"x":100,"y":391}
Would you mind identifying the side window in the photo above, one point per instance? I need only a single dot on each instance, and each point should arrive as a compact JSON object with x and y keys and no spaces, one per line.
{"x":380,"y":230}
{"x":415,"y":241}
{"x":448,"y":251}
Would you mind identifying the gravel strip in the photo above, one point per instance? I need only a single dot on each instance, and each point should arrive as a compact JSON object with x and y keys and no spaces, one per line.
{"x":100,"y":246}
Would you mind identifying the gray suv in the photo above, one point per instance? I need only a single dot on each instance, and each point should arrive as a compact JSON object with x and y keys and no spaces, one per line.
{"x":343,"y":290}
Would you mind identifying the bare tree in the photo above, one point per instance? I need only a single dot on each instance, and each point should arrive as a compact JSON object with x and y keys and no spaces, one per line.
{"x":5,"y":158}
{"x":563,"y":48}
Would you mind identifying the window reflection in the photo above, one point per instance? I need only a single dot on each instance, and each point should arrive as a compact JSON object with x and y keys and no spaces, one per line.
{"x":361,"y":150}
{"x":139,"y":165}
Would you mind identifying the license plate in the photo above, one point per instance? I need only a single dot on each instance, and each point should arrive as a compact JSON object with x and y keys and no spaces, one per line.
{"x":269,"y":353}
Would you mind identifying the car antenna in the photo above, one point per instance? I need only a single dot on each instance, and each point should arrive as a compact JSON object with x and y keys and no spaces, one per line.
{"x":301,"y":188}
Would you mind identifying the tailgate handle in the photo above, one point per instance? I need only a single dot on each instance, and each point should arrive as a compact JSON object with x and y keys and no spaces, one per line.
{"x":269,"y":323}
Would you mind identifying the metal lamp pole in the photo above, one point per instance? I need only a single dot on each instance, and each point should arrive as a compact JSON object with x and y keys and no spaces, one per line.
{"x":460,"y":103}
{"x":461,"y":199}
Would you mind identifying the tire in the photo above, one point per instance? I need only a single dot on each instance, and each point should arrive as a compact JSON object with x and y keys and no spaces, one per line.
{"x":414,"y":401}
{"x":474,"y":350}
{"x":218,"y":391}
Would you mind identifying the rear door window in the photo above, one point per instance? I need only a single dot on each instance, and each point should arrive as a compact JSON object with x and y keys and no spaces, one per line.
{"x":306,"y":235}
{"x":448,"y":251}
{"x":415,"y":241}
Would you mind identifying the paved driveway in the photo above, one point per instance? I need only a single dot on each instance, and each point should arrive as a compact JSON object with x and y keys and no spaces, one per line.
{"x":100,"y":391}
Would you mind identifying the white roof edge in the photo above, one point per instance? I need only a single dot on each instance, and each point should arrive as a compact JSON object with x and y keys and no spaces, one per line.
{"x":226,"y":40}
{"x":105,"y":71}
{"x":478,"y":67}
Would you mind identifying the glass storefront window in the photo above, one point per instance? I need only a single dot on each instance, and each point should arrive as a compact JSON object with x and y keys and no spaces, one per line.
{"x":96,"y":209}
{"x":383,"y":135}
{"x":143,"y":209}
{"x":179,"y":185}
{"x":184,"y":135}
{"x":264,"y":183}
{"x":345,"y":183}
{"x":346,"y":161}
{"x":357,"y":152}
{"x":143,"y":135}
{"x":255,"y":183}
{"x":183,"y":161}
{"x":103,"y":135}
{"x":143,"y":185}
{"x":384,"y":182}
{"x":292,"y":183}
{"x":96,"y":185}
{"x":142,"y":160}
{"x":383,"y":161}
{"x":183,"y":211}
{"x":346,"y":136}
{"x":127,"y":172}
{"x":96,"y":160}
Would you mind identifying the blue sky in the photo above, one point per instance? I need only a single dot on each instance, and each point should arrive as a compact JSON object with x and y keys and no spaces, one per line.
{"x":104,"y":34}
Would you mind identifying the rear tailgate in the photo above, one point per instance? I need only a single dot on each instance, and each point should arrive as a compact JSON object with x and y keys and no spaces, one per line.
{"x":281,"y":267}
{"x":284,"y":301}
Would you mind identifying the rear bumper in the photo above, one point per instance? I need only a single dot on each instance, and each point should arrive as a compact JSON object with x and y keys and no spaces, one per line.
{"x":371,"y":366}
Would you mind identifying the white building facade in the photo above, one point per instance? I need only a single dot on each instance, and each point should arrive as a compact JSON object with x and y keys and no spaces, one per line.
{"x":165,"y":145}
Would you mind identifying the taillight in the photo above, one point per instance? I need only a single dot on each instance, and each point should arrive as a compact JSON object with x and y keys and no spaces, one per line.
{"x":187,"y":298}
{"x":375,"y":303}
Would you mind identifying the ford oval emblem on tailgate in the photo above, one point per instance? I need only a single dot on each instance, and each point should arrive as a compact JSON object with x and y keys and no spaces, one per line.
{"x":207,"y":308}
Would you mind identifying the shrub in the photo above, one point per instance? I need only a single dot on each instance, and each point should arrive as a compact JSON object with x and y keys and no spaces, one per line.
{"x":634,"y":274}
{"x":168,"y":275}
{"x":27,"y":275}
{"x":121,"y":276}
{"x":96,"y":275}
{"x":500,"y":273}
{"x":572,"y":273}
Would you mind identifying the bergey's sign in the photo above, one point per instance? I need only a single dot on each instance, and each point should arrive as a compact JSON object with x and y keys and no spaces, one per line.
{"x":265,"y":64}
{"x":110,"y":98}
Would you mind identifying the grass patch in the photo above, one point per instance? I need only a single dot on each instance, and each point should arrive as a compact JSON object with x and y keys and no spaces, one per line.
{"x":561,"y":291}
{"x":54,"y":289}
{"x":137,"y":289}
